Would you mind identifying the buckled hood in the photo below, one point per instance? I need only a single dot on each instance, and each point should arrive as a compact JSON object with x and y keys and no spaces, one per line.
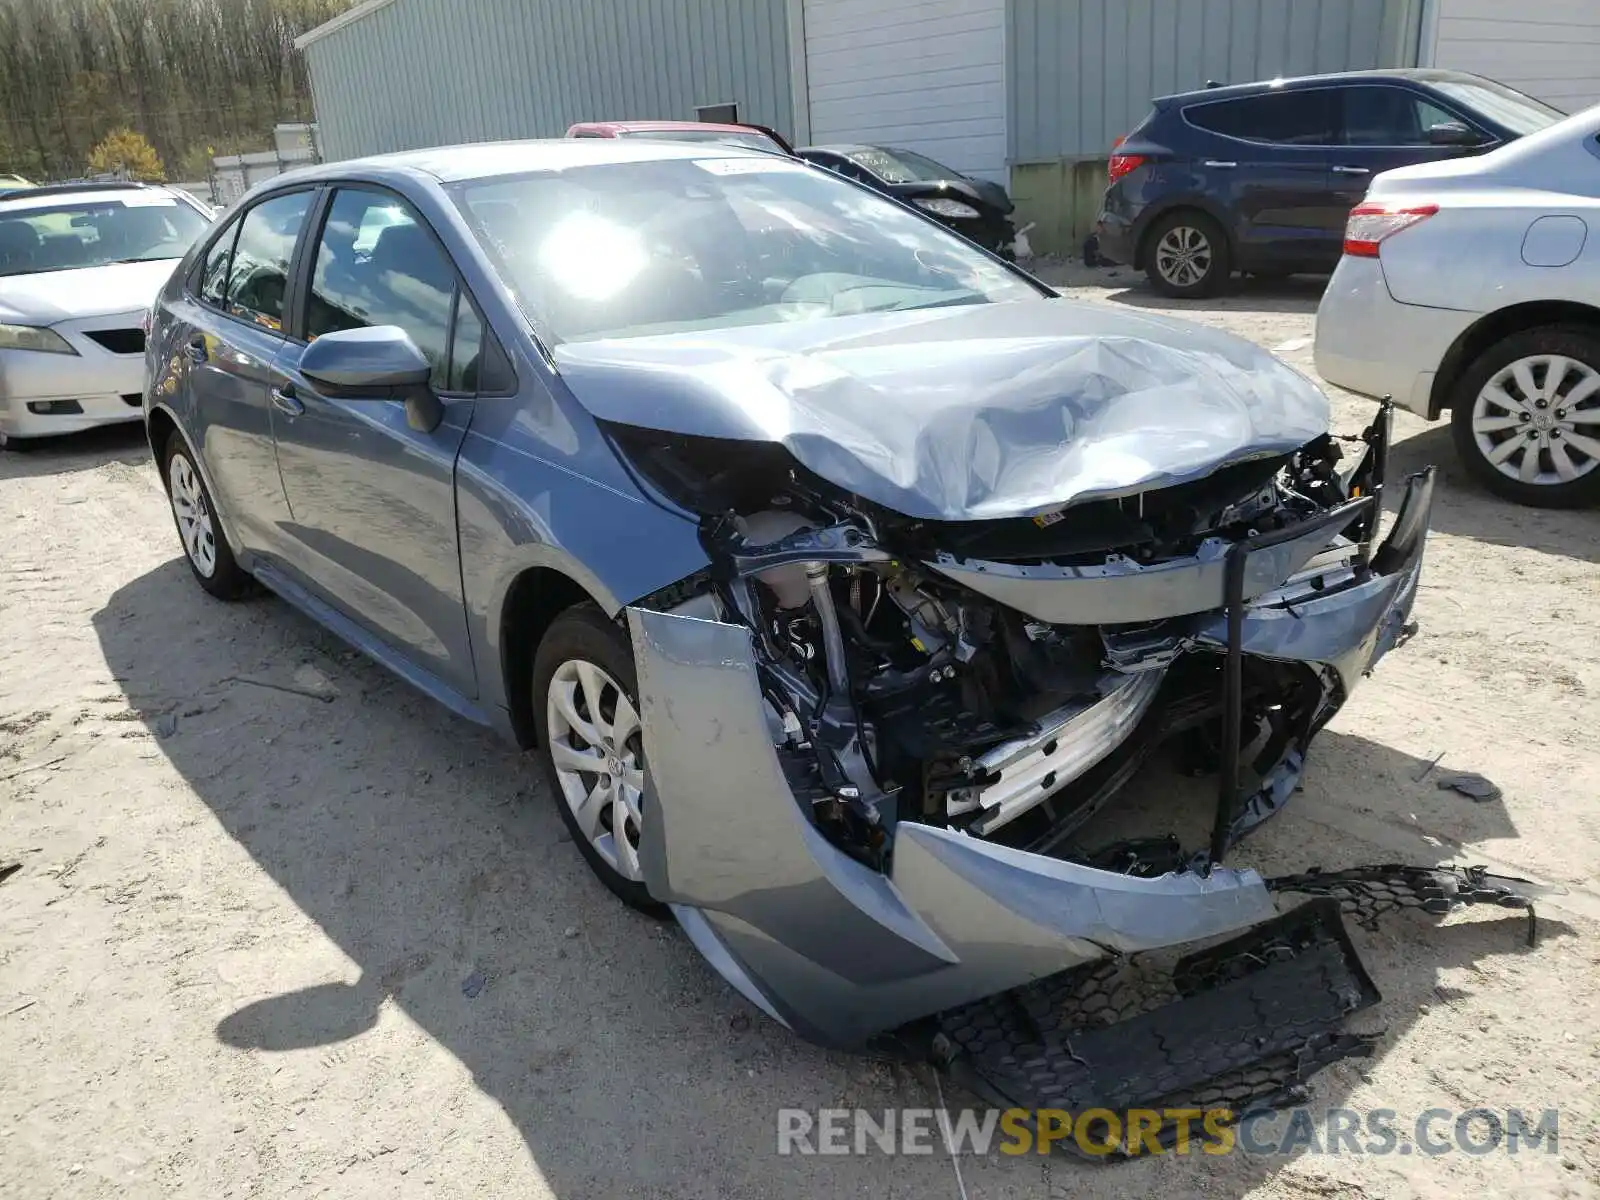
{"x":973,"y":412}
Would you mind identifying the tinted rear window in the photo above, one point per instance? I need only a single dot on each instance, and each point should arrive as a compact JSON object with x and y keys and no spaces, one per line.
{"x":1516,"y":111}
{"x":1300,"y":118}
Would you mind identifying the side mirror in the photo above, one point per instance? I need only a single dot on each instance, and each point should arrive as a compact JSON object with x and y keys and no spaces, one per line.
{"x":1452,"y":133}
{"x":377,"y":363}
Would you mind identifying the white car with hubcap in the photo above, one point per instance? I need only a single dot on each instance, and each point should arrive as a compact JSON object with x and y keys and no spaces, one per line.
{"x":1473,"y":285}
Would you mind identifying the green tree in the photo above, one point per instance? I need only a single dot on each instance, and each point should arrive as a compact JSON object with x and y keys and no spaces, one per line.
{"x":123,"y":150}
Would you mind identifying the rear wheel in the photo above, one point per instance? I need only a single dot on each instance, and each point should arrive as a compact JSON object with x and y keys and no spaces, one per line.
{"x":1526,"y":417}
{"x":204,"y":545}
{"x":585,"y":703}
{"x":1187,"y":256}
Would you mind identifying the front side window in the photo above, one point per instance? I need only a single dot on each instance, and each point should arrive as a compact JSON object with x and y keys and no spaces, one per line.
{"x":635,"y":248}
{"x":1297,"y":118}
{"x":259,"y":275}
{"x":378,"y":265}
{"x":1389,"y":116}
{"x":113,"y":227}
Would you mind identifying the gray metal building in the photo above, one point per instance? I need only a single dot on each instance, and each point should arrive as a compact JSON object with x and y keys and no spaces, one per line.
{"x":1028,"y":92}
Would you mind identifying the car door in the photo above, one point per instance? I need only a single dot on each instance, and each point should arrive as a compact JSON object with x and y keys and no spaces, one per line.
{"x":1383,"y":126}
{"x":232,"y":330}
{"x":372,"y":500}
{"x":1267,"y":164}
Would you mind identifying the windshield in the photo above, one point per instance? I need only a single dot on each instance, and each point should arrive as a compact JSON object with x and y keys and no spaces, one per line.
{"x":722,"y":137}
{"x":900,"y":166}
{"x":1519,"y":113}
{"x":629,"y":249}
{"x":72,"y":235}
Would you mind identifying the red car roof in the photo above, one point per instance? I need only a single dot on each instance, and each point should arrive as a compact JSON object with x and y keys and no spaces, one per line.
{"x":618,"y":128}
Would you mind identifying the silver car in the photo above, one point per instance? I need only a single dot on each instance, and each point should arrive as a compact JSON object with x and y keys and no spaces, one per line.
{"x":80,"y":265}
{"x":1473,"y":287}
{"x":839,"y":571}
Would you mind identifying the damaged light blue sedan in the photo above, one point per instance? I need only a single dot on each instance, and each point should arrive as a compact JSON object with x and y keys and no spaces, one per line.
{"x":840,"y":572}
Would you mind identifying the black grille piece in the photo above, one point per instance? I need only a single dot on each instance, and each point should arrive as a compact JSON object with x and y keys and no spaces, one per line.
{"x":1240,"y":1026}
{"x":119,"y":341}
{"x":132,"y":399}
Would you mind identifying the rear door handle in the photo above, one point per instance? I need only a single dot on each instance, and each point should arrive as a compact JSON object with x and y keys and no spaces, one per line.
{"x":196,"y":349}
{"x":284,"y":400}
{"x":1220,"y":165}
{"x":1351,"y":171}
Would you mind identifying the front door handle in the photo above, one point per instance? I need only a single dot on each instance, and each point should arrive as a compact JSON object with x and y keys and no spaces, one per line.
{"x":1220,"y":165}
{"x":284,"y":400}
{"x":1351,"y":171}
{"x":196,"y":349}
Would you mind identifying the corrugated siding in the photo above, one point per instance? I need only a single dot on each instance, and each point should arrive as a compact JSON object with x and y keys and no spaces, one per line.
{"x":1083,"y":72}
{"x":434,"y":72}
{"x":928,"y":75}
{"x":1547,"y":48}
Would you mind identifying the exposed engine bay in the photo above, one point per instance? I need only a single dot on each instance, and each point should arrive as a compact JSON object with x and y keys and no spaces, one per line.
{"x":914,"y":720}
{"x":920,"y":670}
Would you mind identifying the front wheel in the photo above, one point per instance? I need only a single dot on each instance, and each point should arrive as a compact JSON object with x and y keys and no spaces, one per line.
{"x":592,"y":743}
{"x":1526,"y":417}
{"x":1187,"y":255}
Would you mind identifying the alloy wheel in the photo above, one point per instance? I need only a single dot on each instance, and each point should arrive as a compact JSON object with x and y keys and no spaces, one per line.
{"x":1537,"y":420}
{"x":597,"y":749}
{"x":194,"y":516}
{"x":1184,"y":256}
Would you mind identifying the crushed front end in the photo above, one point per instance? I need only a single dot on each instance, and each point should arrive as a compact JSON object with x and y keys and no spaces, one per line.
{"x":874,"y":743}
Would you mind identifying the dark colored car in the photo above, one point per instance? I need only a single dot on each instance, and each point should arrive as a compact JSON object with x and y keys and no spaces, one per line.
{"x":1260,"y":177}
{"x":975,"y":208}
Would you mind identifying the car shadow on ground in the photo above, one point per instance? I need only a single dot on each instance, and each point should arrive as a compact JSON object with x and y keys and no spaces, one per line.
{"x":1291,"y":294}
{"x":1247,"y":293}
{"x":1465,"y":509}
{"x":75,"y":452}
{"x":428,"y":854}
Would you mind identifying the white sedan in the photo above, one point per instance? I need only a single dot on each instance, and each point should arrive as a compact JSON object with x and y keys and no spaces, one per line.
{"x":1474,"y":285}
{"x":80,"y":266}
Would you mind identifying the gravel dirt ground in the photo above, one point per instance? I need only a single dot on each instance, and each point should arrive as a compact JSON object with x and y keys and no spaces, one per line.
{"x":233,"y":960}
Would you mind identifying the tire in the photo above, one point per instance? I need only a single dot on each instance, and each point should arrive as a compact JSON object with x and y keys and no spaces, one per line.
{"x":205,"y":548}
{"x":1494,"y":436}
{"x":1206,"y":261}
{"x":586,"y":657}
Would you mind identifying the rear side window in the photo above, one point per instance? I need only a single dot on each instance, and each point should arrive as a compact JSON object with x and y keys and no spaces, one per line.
{"x":259,"y":274}
{"x":1389,"y":116}
{"x":1299,"y":118}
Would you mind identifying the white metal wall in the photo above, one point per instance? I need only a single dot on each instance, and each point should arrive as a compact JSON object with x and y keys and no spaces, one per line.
{"x":1547,"y":48}
{"x":926,"y":75}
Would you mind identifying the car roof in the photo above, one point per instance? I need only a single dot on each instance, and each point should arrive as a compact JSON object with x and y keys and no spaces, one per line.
{"x":663,"y":126}
{"x":1256,"y":87}
{"x":51,"y":195}
{"x":489,"y":160}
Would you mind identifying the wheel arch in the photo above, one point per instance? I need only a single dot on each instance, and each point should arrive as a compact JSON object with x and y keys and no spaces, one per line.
{"x":1191,"y":203}
{"x":159,"y":428}
{"x":536,"y":597}
{"x":1496,"y":327}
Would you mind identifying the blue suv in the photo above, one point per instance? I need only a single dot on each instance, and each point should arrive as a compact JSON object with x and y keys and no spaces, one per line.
{"x":1260,"y":177}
